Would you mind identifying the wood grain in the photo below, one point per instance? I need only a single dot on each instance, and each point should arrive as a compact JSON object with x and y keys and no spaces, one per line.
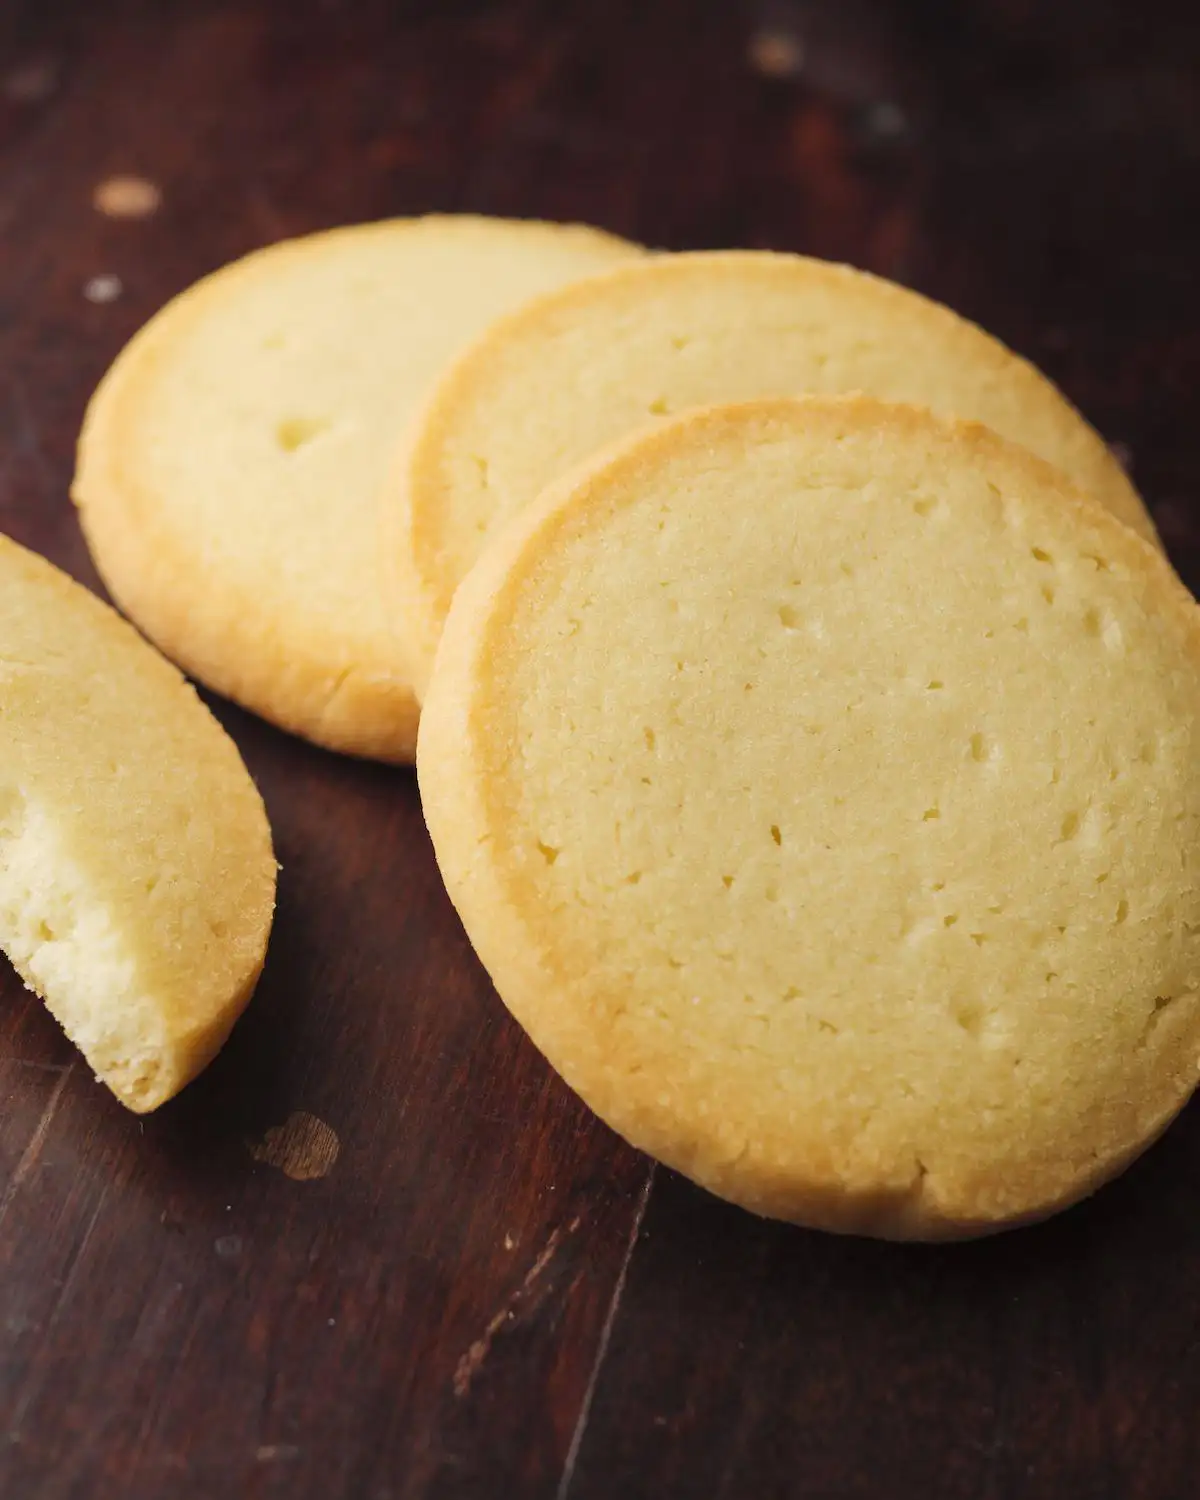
{"x":485,"y":1293}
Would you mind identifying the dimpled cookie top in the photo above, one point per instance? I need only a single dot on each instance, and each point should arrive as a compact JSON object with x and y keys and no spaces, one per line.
{"x":231,"y":460}
{"x":820,"y":784}
{"x":137,"y":881}
{"x":583,"y":366}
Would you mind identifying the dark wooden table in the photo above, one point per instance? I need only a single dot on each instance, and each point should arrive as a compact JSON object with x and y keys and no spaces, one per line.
{"x":486,"y":1293}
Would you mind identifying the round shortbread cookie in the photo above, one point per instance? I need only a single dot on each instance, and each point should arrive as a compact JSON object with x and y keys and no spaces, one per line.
{"x":819,"y":782}
{"x":583,"y":366}
{"x":137,"y":881}
{"x":230,"y":463}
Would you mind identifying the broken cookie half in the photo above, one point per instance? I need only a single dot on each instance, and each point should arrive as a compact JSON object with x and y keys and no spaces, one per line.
{"x":137,"y":877}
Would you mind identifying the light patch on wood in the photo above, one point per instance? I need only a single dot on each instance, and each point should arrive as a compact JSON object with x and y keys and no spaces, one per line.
{"x":1123,"y":454}
{"x":303,"y":1147}
{"x":101,"y":289}
{"x":776,"y":54}
{"x":32,"y":83}
{"x":127,"y":197}
{"x":267,"y":1453}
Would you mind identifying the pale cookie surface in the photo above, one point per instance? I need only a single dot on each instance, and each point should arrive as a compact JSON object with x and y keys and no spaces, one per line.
{"x":137,"y":880}
{"x":231,"y":460}
{"x":820,"y":784}
{"x":579,"y":368}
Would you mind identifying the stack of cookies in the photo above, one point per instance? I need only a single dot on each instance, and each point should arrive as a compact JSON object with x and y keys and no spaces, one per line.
{"x":808,"y":716}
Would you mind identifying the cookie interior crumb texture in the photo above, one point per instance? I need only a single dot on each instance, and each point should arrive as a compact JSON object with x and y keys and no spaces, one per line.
{"x":230,"y":464}
{"x":820,"y":784}
{"x":583,"y":366}
{"x":137,"y":879}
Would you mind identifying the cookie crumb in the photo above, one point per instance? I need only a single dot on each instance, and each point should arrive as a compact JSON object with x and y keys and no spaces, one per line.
{"x":127,"y":197}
